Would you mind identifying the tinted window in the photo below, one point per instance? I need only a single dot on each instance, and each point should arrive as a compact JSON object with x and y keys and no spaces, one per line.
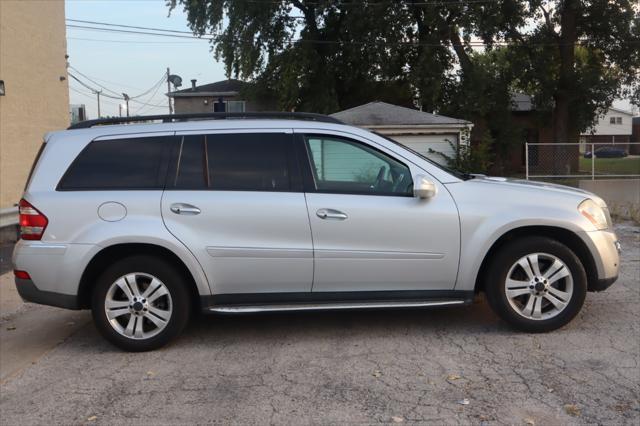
{"x":138,"y":163}
{"x":233,"y":162}
{"x":190,"y":164}
{"x":341,"y":165}
{"x":33,"y":166}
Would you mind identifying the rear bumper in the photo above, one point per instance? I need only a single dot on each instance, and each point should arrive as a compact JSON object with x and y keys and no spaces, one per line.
{"x":55,"y":270}
{"x":30,"y":293}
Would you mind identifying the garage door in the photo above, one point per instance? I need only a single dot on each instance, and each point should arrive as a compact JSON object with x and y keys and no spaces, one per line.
{"x":438,"y":143}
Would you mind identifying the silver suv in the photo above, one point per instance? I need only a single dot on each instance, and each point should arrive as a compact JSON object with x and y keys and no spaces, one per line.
{"x":145,"y":223}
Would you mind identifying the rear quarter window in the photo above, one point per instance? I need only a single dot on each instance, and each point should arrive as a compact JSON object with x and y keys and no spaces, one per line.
{"x":33,"y":166}
{"x":135,"y":163}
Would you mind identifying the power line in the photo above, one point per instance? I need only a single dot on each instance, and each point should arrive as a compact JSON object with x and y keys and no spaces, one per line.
{"x":155,"y":86}
{"x":387,"y":3}
{"x":131,"y":41}
{"x":144,"y":103}
{"x":95,"y":82}
{"x":141,"y":108}
{"x":108,"y":24}
{"x":133,"y":32}
{"x":94,"y":90}
{"x":111,"y":82}
{"x":118,"y":95}
{"x":88,"y":95}
{"x":338,"y":42}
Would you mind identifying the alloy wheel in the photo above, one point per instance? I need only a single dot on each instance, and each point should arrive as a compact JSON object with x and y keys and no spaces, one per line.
{"x":138,"y":305}
{"x":539,"y":286}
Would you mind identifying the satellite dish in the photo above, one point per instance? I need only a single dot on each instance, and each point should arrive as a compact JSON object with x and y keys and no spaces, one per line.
{"x":176,"y":80}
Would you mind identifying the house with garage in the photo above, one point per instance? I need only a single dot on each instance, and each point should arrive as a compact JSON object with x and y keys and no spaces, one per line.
{"x":421,"y":131}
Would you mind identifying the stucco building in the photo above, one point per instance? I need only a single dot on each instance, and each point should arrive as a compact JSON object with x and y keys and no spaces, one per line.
{"x":36,"y":95}
{"x":221,"y":96}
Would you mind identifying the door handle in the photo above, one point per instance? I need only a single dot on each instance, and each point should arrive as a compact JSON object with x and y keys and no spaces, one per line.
{"x":331,"y":214}
{"x":187,"y":209}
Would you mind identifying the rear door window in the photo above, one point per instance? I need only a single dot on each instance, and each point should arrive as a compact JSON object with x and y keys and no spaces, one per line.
{"x":233,"y":162}
{"x":136,"y":163}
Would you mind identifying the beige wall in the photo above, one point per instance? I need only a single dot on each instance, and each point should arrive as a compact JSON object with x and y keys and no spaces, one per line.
{"x":32,"y":60}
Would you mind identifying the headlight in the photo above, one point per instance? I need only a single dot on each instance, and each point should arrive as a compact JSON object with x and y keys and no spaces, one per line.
{"x":594,"y":213}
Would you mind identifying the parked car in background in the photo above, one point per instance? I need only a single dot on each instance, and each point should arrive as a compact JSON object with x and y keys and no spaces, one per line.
{"x":607,"y":152}
{"x":144,"y":223}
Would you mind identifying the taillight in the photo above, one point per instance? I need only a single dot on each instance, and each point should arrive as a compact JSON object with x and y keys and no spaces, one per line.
{"x":32,"y":222}
{"x":23,"y":275}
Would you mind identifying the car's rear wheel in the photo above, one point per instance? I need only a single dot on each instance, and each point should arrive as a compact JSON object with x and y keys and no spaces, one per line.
{"x":536,"y":284}
{"x":140,"y":303}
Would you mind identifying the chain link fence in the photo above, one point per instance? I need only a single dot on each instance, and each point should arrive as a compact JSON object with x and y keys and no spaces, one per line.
{"x":582,"y":160}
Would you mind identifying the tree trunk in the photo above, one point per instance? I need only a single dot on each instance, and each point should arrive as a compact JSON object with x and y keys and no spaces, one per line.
{"x":564,"y":128}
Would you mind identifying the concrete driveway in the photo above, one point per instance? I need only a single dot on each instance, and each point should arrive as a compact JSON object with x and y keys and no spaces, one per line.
{"x":439,"y":367}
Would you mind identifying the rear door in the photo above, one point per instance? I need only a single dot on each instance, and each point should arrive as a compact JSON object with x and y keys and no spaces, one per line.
{"x":234,"y":198}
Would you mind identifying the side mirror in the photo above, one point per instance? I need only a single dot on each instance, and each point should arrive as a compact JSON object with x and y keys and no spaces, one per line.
{"x":423,"y":187}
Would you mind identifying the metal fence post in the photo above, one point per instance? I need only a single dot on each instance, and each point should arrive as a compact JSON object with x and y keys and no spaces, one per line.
{"x":593,"y":162}
{"x":526,"y":160}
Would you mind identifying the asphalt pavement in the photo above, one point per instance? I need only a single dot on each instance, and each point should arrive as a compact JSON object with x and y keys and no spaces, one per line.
{"x":459,"y":365}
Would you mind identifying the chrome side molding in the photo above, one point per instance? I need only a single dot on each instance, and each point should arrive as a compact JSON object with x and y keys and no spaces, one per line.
{"x":237,"y":309}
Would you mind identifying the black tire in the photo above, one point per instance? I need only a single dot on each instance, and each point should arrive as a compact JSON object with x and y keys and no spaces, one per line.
{"x":507,"y":256}
{"x":176,"y":285}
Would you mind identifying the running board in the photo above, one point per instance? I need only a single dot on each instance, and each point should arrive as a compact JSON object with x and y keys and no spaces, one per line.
{"x":237,"y":309}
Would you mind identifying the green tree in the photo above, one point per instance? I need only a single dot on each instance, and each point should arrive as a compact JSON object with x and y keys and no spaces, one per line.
{"x":578,"y":57}
{"x":319,"y":56}
{"x":573,"y":56}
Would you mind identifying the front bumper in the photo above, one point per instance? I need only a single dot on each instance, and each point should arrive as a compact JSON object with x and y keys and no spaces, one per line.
{"x":602,"y":284}
{"x":605,"y":251}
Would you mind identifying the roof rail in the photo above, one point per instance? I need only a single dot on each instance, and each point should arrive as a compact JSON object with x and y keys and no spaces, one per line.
{"x":211,"y":116}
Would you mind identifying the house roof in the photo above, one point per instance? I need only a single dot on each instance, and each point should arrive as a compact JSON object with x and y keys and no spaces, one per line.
{"x":521,"y":102}
{"x":219,"y":88}
{"x":384,"y":114}
{"x":622,"y":111}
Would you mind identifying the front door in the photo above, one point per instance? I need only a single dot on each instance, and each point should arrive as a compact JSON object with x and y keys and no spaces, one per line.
{"x":235,"y":200}
{"x":369,"y":232}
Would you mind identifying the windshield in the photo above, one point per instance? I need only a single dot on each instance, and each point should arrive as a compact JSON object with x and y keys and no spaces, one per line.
{"x":456,"y":173}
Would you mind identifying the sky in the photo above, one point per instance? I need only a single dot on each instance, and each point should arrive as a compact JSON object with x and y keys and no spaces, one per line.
{"x":132,"y":63}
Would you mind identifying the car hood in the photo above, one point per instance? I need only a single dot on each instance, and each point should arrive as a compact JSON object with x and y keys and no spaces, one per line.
{"x":534,"y":187}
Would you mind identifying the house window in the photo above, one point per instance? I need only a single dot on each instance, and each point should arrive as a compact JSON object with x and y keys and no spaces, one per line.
{"x":612,"y":120}
{"x":618,"y":120}
{"x":235,"y":106}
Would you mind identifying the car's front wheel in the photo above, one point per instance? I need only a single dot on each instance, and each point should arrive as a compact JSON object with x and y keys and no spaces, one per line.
{"x":536,"y":284}
{"x":140,"y":303}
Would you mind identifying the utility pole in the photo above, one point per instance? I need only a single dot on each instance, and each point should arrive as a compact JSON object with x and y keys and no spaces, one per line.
{"x":169,"y":91}
{"x":126,"y":99}
{"x":98,"y":92}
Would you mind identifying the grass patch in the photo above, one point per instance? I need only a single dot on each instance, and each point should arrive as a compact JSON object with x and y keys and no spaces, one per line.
{"x":614,"y":166}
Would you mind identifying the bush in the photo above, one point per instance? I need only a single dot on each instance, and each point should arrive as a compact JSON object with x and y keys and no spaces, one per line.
{"x":470,"y":159}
